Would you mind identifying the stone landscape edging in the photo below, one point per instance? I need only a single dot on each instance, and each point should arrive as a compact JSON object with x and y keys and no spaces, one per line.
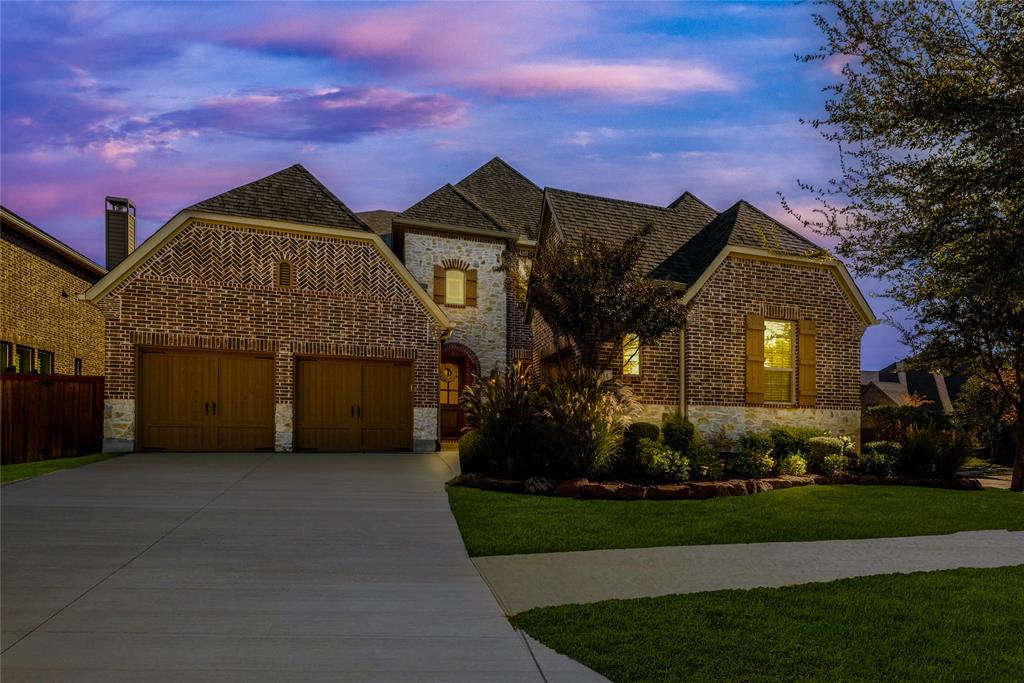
{"x":691,"y":490}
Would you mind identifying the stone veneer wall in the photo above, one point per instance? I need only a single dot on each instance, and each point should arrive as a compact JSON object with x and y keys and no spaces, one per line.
{"x":212,"y":286}
{"x":35,"y":314}
{"x":482,"y":327}
{"x":737,"y":420}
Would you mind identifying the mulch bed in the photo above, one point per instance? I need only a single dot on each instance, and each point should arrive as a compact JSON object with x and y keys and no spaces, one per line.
{"x":692,"y":490}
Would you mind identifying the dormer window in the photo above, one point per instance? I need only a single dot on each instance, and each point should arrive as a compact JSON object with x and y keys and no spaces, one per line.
{"x":284,"y":275}
{"x":455,"y":287}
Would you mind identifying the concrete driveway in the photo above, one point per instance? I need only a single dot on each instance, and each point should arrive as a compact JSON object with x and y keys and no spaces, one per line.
{"x":251,"y":567}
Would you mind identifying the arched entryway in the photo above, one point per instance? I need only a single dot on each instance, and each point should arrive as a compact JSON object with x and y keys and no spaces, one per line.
{"x":459,"y":367}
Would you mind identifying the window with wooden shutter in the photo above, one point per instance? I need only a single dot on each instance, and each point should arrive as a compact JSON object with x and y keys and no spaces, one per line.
{"x":807,"y":378}
{"x":778,"y":361}
{"x":455,"y":287}
{"x":755,"y":358}
{"x":439,"y":288}
{"x":471,"y":287}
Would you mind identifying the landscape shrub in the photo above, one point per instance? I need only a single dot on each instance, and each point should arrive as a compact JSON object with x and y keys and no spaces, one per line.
{"x":705,"y":462}
{"x":892,"y":449}
{"x":662,"y":463}
{"x":920,"y":452}
{"x":755,"y":455}
{"x":956,"y":446}
{"x":628,"y":465}
{"x":678,"y":432}
{"x":793,"y":439}
{"x":835,"y":464}
{"x":874,"y":462}
{"x":893,"y":422}
{"x":585,"y":419}
{"x":819,"y":448}
{"x":757,"y":442}
{"x":471,"y":456}
{"x":505,"y":412}
{"x":794,"y":464}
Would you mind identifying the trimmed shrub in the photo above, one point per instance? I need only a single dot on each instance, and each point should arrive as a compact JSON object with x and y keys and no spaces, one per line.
{"x":793,"y":439}
{"x":472,"y":459}
{"x":705,"y":462}
{"x":820,"y":447}
{"x":752,"y":464}
{"x":835,"y":464}
{"x":661,"y":462}
{"x":877,"y":463}
{"x":893,"y":449}
{"x":794,"y":464}
{"x":757,"y":442}
{"x":678,"y":433}
{"x":894,"y":422}
{"x":628,"y":465}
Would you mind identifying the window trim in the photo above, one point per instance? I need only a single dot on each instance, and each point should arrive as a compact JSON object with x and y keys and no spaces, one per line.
{"x":448,"y":290}
{"x":40,"y":354}
{"x":31,"y":356}
{"x":791,"y":370}
{"x":634,"y":358}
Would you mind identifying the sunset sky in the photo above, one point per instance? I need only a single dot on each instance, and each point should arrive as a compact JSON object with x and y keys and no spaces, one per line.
{"x":169,"y":103}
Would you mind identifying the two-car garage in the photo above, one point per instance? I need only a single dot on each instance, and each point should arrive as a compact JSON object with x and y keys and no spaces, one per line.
{"x":196,"y":400}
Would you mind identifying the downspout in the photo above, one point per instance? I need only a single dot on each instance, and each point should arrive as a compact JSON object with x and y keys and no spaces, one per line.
{"x":683,"y":412}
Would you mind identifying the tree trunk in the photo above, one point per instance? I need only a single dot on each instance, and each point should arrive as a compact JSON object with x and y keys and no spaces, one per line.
{"x":1017,"y":483}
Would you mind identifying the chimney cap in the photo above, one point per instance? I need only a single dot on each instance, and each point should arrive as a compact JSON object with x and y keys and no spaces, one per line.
{"x":120,"y":203}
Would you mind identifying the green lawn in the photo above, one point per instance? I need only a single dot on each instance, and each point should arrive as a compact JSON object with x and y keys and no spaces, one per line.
{"x":959,"y":625}
{"x":34,"y":469}
{"x":504,"y":524}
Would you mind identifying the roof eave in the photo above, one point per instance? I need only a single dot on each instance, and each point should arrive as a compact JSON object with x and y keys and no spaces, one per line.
{"x":41,"y":235}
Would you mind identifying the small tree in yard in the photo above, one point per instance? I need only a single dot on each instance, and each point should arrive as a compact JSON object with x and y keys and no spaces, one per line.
{"x":929,"y":125}
{"x":593,"y":294}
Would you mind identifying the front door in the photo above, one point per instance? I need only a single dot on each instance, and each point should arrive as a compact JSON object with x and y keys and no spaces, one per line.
{"x":452,"y":380}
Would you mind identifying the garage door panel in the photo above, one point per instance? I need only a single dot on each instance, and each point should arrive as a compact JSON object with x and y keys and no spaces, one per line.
{"x":353,"y":405}
{"x":196,"y":401}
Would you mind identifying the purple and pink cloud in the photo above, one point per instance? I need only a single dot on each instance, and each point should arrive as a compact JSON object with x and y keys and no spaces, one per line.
{"x":168,"y":103}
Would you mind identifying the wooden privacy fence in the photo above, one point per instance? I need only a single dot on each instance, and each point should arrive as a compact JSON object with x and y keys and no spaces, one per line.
{"x":50,"y":416}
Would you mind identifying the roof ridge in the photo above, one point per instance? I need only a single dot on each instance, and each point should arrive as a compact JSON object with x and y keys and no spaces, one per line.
{"x":331,"y":196}
{"x":468,"y":198}
{"x":513,"y":169}
{"x":697,"y":199}
{"x":611,"y":199}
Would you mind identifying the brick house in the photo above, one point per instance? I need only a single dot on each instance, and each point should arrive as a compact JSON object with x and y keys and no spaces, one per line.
{"x":772,"y":335}
{"x":44,"y":327}
{"x":269,"y":317}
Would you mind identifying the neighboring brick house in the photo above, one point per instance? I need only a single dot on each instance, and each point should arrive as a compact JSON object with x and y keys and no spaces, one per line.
{"x":269,"y":317}
{"x":452,"y":242}
{"x":44,"y":327}
{"x":772,"y":335}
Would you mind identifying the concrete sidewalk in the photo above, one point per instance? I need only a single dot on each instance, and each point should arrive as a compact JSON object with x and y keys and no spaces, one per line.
{"x":522,"y":582}
{"x":251,"y":567}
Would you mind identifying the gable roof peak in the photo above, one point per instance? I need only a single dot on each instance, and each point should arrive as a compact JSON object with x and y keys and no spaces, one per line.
{"x":687,"y":195}
{"x":292,"y":194}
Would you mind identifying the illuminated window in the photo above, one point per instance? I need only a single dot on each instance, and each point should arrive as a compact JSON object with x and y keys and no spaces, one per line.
{"x":455,"y":287}
{"x":449,"y":377}
{"x":631,"y":355}
{"x":778,"y":361}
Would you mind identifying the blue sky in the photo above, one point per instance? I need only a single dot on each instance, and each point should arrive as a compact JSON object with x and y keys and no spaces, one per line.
{"x":168,"y":103}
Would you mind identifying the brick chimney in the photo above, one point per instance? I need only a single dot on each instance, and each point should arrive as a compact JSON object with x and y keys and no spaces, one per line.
{"x":120,"y":230}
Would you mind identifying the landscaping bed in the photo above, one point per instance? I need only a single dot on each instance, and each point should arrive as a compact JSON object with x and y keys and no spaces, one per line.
{"x":694,"y":490}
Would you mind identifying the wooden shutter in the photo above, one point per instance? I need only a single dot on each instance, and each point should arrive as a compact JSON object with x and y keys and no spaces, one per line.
{"x":439,"y":286}
{"x":755,"y":358}
{"x":807,"y":380}
{"x":471,"y":287}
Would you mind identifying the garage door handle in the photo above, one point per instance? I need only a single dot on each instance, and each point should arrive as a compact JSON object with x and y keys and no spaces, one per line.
{"x":206,"y":407}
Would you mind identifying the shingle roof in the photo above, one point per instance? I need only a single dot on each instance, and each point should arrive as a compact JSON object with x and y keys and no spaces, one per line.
{"x":379,"y":220}
{"x":615,"y":220}
{"x":748,"y":226}
{"x":292,"y":195}
{"x":511,"y":198}
{"x":449,"y":206}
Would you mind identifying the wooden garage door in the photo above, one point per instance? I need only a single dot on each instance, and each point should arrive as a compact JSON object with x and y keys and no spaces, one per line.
{"x":353,"y":405}
{"x":196,"y":401}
